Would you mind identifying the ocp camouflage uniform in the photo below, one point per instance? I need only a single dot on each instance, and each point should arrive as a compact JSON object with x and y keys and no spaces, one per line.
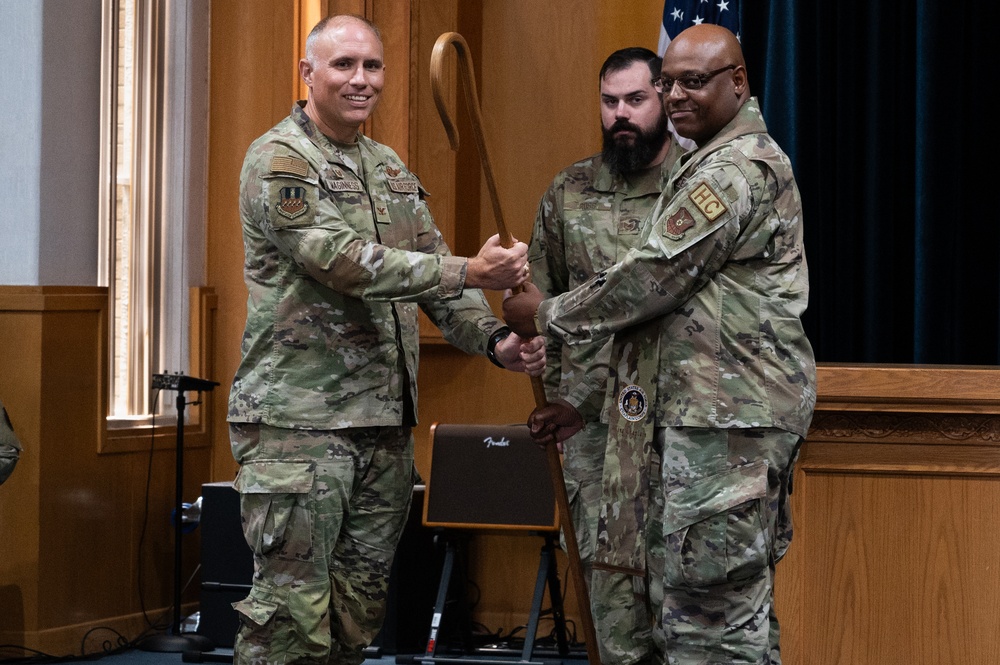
{"x":727,"y":377}
{"x":587,"y":220}
{"x":340,"y":247}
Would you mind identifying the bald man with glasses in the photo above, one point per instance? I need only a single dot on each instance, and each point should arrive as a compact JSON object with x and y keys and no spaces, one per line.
{"x":710,"y":367}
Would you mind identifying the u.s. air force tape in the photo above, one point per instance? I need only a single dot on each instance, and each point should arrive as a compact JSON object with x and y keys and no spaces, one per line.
{"x":632,"y":403}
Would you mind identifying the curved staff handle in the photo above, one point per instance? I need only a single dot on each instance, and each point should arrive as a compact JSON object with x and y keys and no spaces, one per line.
{"x":537,"y":387}
{"x":472,"y":101}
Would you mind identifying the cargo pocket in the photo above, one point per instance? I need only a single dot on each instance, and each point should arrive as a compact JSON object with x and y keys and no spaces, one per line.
{"x":275,"y":507}
{"x":255,"y":610}
{"x":715,"y":528}
{"x":292,"y":621}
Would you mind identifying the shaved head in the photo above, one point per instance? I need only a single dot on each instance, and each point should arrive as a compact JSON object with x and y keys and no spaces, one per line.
{"x":713,"y":41}
{"x":713,"y":53}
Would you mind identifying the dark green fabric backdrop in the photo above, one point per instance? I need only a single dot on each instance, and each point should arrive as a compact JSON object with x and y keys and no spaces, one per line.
{"x":883,"y":107}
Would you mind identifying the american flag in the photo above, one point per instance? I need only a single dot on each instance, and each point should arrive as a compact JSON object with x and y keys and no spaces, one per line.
{"x":680,"y":14}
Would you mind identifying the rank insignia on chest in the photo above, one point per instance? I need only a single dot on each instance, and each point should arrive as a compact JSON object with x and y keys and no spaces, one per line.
{"x":677,"y":224}
{"x":628,"y":226}
{"x":707,"y":201}
{"x":292,"y":202}
{"x":632,"y":403}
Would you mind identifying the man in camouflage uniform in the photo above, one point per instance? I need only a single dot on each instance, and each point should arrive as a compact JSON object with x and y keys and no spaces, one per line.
{"x":710,"y":366}
{"x":10,"y":447}
{"x":590,"y":217}
{"x":340,"y":251}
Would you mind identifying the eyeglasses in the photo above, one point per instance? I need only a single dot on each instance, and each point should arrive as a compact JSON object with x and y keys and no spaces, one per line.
{"x":688,"y":82}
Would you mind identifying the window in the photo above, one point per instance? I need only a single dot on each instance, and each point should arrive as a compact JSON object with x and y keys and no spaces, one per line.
{"x":153,"y":179}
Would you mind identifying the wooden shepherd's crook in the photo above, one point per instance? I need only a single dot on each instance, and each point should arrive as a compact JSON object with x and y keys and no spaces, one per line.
{"x":555,"y":465}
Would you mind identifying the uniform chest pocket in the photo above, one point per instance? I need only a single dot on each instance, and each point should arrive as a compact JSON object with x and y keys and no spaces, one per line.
{"x":399,"y":207}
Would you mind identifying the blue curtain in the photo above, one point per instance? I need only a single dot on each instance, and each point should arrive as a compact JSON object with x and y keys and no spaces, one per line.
{"x":882,"y":107}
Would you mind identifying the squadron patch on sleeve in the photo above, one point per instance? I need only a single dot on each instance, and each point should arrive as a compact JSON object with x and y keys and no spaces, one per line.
{"x":290,"y":165}
{"x":707,"y":201}
{"x":632,"y":403}
{"x":292,"y":202}
{"x":677,"y":224}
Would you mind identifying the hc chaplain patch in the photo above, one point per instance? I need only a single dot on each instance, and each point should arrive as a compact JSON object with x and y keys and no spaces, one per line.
{"x":707,"y":201}
{"x":292,"y":202}
{"x":632,"y":403}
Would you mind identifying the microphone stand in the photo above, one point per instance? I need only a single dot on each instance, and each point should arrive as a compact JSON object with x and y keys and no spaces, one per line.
{"x":174,"y":641}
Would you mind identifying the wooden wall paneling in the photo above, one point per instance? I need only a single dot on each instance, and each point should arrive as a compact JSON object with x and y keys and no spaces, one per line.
{"x":72,"y":537}
{"x":539,"y":98}
{"x":622,"y":24}
{"x":20,"y":523}
{"x":893,"y":499}
{"x":390,"y":123}
{"x":253,"y":56}
{"x":431,"y":157}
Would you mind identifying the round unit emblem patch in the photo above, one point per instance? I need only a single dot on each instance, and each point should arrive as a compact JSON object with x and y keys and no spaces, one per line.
{"x":632,"y":403}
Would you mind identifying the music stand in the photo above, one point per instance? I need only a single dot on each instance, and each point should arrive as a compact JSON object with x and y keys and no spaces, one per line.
{"x":174,"y":640}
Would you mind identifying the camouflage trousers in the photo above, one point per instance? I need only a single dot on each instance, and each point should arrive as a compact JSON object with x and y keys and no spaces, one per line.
{"x":726,"y":523}
{"x":323,"y":512}
{"x":620,"y":603}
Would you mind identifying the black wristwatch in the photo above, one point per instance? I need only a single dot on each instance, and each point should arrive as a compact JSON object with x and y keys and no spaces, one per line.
{"x":491,"y":346}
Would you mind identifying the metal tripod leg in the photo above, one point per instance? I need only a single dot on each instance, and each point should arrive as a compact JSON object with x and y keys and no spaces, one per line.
{"x":546,"y":573}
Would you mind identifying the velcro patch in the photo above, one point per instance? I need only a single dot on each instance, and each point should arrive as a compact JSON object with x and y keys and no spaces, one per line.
{"x":292,"y":202}
{"x":677,"y":224}
{"x":403,"y":185}
{"x":393,"y":172}
{"x":705,"y":198}
{"x":628,"y":227}
{"x":346,"y":186}
{"x":290,"y":165}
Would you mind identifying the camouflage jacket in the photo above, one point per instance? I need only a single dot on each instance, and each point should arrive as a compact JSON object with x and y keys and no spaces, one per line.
{"x":723,"y":269}
{"x":587,"y":220}
{"x":338,"y":254}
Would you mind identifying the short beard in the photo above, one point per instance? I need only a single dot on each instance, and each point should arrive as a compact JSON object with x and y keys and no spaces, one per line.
{"x":624,"y":158}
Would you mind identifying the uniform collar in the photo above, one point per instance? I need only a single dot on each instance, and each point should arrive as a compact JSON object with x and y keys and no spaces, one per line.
{"x":334,"y":155}
{"x":748,"y":120}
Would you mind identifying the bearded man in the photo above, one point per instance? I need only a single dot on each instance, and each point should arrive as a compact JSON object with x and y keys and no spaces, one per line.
{"x":589,"y":218}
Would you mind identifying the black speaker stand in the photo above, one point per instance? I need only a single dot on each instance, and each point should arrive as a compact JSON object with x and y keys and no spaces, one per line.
{"x":175,"y":641}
